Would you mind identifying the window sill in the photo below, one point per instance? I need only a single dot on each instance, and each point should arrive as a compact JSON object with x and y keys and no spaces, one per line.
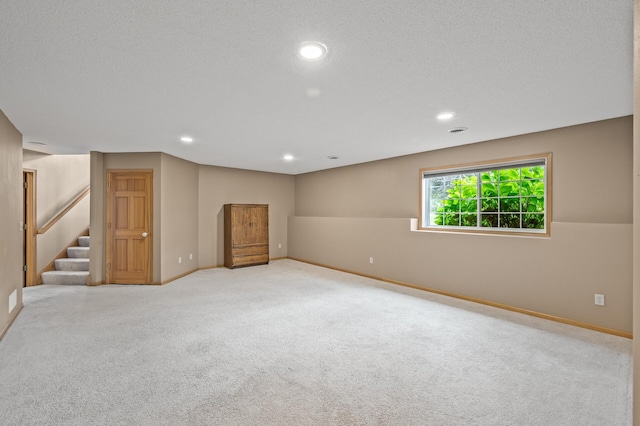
{"x":476,"y":231}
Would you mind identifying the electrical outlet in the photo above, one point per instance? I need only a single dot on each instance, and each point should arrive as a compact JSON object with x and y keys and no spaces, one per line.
{"x":279,"y":245}
{"x":599,"y":299}
{"x":371,"y":260}
{"x":190,"y":256}
{"x":180,"y":260}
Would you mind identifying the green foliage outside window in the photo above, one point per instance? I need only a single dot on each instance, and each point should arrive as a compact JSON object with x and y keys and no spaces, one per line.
{"x":509,"y":198}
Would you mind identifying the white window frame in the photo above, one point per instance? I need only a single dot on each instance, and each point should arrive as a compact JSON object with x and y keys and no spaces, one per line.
{"x":523,"y":161}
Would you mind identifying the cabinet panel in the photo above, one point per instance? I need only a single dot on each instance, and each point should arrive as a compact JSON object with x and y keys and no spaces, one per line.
{"x":258,"y":259}
{"x":246,"y":234}
{"x":252,"y":249}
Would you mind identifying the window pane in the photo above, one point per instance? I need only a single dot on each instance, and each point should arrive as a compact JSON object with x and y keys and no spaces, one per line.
{"x":436,"y":205}
{"x":490,"y":220}
{"x":437,"y":192}
{"x":489,"y":204}
{"x":448,"y":219}
{"x":469,"y":191}
{"x":536,"y":172}
{"x":533,"y":204}
{"x":509,"y":189}
{"x":469,"y":206}
{"x":468,"y":179}
{"x":436,"y":219}
{"x":469,"y":220}
{"x":510,"y":221}
{"x":490,"y":176}
{"x":533,"y":221}
{"x":454,"y":190}
{"x":532,"y":187}
{"x":509,"y":174}
{"x":489,"y":190}
{"x":452,"y":205}
{"x":436,"y":181}
{"x":510,"y":205}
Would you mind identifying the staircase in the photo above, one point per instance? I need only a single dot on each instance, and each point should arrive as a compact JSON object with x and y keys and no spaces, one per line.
{"x":74,"y":269}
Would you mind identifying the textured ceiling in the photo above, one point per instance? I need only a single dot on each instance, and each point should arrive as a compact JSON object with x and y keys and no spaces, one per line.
{"x":120,"y":76}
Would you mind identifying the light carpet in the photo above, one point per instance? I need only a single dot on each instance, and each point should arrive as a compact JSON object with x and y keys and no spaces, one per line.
{"x":294,"y":344}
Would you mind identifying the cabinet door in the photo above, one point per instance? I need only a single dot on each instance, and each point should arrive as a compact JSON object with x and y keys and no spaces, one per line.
{"x":260,"y":221}
{"x":250,"y":225}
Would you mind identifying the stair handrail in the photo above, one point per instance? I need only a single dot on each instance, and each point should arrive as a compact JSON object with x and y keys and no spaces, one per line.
{"x":64,"y":210}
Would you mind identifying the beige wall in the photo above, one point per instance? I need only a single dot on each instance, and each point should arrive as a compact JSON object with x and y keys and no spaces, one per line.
{"x":179,"y":227}
{"x":636,"y":216}
{"x":389,"y":188}
{"x":11,"y":240}
{"x":59,"y":179}
{"x":219,"y":186}
{"x":97,"y":219}
{"x":352,"y":214}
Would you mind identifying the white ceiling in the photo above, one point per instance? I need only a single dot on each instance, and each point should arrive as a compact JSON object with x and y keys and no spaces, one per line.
{"x":122,"y":75}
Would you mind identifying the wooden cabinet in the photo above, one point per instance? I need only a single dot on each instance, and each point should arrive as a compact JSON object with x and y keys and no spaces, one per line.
{"x":246,"y":234}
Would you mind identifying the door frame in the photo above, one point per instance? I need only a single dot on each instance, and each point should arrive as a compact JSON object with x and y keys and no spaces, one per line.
{"x":110,"y":214}
{"x":29,"y":228}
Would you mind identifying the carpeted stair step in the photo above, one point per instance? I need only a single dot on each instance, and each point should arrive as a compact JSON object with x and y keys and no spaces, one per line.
{"x":72,"y":264}
{"x":83,"y":241}
{"x":65,"y":277}
{"x":78,"y":252}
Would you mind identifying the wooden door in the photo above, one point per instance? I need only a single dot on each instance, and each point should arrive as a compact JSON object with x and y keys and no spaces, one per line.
{"x":129,"y":227}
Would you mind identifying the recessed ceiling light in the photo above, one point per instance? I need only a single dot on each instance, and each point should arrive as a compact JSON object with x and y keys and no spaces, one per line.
{"x":288,"y":157}
{"x":312,"y":50}
{"x":37,"y":143}
{"x":333,"y":157}
{"x":445,"y":116}
{"x":458,"y":130}
{"x":186,"y":139}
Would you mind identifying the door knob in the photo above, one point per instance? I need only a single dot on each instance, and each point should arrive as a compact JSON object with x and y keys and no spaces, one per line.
{"x":144,"y":235}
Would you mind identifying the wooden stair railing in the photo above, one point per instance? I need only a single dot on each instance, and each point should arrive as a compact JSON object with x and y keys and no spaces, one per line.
{"x":64,"y":210}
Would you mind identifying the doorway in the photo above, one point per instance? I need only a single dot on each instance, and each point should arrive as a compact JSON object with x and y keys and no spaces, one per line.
{"x":29,"y":229}
{"x":129,"y":226}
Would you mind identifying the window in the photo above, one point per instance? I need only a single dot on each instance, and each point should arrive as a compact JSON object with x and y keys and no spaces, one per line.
{"x":505,"y":196}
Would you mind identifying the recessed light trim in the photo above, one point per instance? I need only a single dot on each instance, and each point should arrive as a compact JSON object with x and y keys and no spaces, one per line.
{"x":287,"y":157}
{"x":312,"y":50}
{"x":445,"y":115}
{"x":186,"y":139}
{"x":333,"y":157}
{"x":458,"y":130}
